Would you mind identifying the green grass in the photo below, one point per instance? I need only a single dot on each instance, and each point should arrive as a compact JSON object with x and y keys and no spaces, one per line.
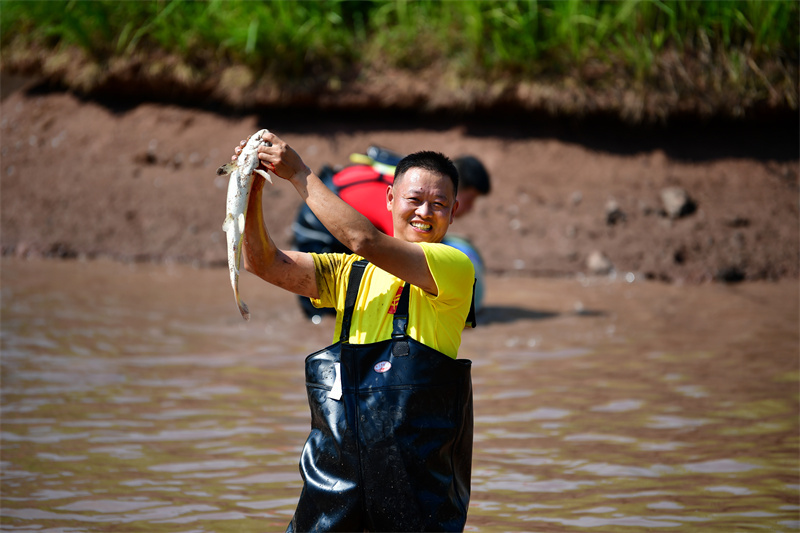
{"x":277,"y":37}
{"x":519,"y":40}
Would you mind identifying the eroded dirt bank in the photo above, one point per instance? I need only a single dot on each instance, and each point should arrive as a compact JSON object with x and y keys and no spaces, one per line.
{"x":136,"y":181}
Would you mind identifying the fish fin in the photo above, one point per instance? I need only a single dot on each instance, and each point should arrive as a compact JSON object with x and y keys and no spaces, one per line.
{"x":227,"y":168}
{"x":265,"y":174}
{"x":227,"y":222}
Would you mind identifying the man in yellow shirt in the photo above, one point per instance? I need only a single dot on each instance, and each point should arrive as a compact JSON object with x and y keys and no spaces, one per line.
{"x":391,"y":439}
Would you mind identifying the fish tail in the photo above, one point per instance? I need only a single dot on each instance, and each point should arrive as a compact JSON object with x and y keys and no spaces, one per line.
{"x":244,"y":310}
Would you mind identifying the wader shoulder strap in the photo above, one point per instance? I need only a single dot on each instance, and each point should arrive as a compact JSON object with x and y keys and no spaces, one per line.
{"x":401,"y":315}
{"x":400,"y":323}
{"x":472,"y":321}
{"x":353,"y":284}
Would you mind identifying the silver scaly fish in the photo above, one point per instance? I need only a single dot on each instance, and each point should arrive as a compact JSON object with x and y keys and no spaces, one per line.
{"x":239,"y":185}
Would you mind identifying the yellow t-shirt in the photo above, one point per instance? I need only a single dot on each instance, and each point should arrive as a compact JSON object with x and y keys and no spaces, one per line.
{"x":436,"y":321}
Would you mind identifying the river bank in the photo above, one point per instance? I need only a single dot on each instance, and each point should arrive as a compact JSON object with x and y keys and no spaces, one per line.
{"x":135,"y":181}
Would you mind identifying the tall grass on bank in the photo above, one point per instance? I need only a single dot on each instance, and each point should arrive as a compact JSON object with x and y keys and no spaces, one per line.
{"x":280,"y":37}
{"x":595,"y":41}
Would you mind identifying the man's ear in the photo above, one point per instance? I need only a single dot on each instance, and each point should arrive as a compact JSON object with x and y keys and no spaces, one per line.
{"x":453,"y":212}
{"x":389,"y":197}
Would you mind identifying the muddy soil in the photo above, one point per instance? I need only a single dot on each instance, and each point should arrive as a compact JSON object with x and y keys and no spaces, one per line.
{"x":135,"y":181}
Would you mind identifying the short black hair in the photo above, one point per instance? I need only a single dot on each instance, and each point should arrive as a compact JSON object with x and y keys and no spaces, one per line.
{"x":430,"y":161}
{"x":472,"y":173}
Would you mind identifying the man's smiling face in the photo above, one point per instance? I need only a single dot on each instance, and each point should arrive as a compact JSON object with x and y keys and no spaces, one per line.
{"x":422,"y":205}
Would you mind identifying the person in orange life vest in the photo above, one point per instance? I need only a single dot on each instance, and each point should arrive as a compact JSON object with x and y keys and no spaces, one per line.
{"x":363,"y":186}
{"x":389,"y":400}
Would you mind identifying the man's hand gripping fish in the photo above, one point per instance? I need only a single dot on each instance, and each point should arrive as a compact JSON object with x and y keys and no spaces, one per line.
{"x":236,"y":209}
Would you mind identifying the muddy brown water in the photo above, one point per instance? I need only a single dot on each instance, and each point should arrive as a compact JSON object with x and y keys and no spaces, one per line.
{"x":134,"y":398}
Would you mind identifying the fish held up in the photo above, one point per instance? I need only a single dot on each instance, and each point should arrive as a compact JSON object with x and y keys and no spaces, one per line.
{"x":241,"y":180}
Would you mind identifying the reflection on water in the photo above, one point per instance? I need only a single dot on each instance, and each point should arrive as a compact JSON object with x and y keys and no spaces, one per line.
{"x":136,"y":399}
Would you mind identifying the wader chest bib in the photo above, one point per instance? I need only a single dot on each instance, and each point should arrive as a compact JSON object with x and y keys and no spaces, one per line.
{"x":390,"y":447}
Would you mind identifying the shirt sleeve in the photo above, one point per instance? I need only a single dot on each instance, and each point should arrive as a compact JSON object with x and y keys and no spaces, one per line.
{"x":452,"y":271}
{"x":326,"y":267}
{"x":332,"y":272}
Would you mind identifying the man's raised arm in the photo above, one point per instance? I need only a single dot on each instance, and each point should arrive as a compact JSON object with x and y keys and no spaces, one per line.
{"x":290,"y":270}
